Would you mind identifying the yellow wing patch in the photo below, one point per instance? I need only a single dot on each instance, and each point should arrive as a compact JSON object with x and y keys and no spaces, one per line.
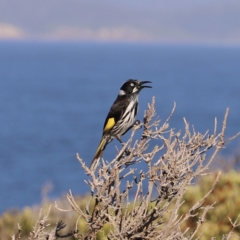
{"x":109,"y":125}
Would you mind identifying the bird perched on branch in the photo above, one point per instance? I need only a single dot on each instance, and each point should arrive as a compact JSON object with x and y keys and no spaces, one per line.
{"x":121,"y":116}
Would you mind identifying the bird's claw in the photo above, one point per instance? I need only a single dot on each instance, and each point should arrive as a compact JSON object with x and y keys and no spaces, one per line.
{"x":137,"y":123}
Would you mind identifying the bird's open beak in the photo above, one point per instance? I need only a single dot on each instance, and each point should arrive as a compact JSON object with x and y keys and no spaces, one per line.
{"x":141,"y":86}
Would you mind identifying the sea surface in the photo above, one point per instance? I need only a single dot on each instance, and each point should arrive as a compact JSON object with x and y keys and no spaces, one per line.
{"x":54,"y":97}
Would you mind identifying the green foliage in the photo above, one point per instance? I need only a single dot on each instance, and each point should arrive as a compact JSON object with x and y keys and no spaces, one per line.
{"x":226,"y":194}
{"x":28,"y":216}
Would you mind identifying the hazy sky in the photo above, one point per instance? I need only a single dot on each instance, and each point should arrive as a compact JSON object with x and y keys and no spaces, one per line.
{"x":190,"y":21}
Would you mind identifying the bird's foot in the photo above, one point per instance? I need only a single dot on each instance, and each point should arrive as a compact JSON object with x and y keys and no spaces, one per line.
{"x":137,"y":124}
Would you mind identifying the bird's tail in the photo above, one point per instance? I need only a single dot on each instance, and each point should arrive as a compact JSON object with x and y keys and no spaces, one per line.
{"x":102,"y":145}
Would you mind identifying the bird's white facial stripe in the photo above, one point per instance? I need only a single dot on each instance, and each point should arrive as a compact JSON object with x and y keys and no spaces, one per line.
{"x":121,"y":93}
{"x":135,"y":89}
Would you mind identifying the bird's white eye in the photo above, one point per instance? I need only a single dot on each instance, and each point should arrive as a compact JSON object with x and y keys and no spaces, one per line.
{"x":132,"y":84}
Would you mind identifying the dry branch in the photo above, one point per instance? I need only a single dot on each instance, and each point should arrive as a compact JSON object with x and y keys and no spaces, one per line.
{"x":173,"y":164}
{"x":144,"y":203}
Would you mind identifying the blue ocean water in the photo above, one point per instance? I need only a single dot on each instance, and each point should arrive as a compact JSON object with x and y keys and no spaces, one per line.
{"x":54,"y":98}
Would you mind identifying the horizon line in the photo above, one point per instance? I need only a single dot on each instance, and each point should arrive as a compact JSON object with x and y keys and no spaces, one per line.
{"x":120,"y":41}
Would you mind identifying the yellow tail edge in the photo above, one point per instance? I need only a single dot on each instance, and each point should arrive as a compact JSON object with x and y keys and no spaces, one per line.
{"x":98,"y":153}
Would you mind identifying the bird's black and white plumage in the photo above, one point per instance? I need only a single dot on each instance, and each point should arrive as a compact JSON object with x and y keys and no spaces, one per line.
{"x":121,"y":116}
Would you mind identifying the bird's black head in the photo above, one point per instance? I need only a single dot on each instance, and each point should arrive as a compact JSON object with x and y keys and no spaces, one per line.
{"x":132,"y":86}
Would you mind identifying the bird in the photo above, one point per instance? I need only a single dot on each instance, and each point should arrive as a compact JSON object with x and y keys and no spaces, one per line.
{"x":121,"y":116}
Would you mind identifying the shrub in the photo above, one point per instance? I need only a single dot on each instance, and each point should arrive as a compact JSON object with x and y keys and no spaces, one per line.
{"x":156,"y":210}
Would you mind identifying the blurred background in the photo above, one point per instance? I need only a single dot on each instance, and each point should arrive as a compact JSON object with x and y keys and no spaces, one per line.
{"x":62,"y":64}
